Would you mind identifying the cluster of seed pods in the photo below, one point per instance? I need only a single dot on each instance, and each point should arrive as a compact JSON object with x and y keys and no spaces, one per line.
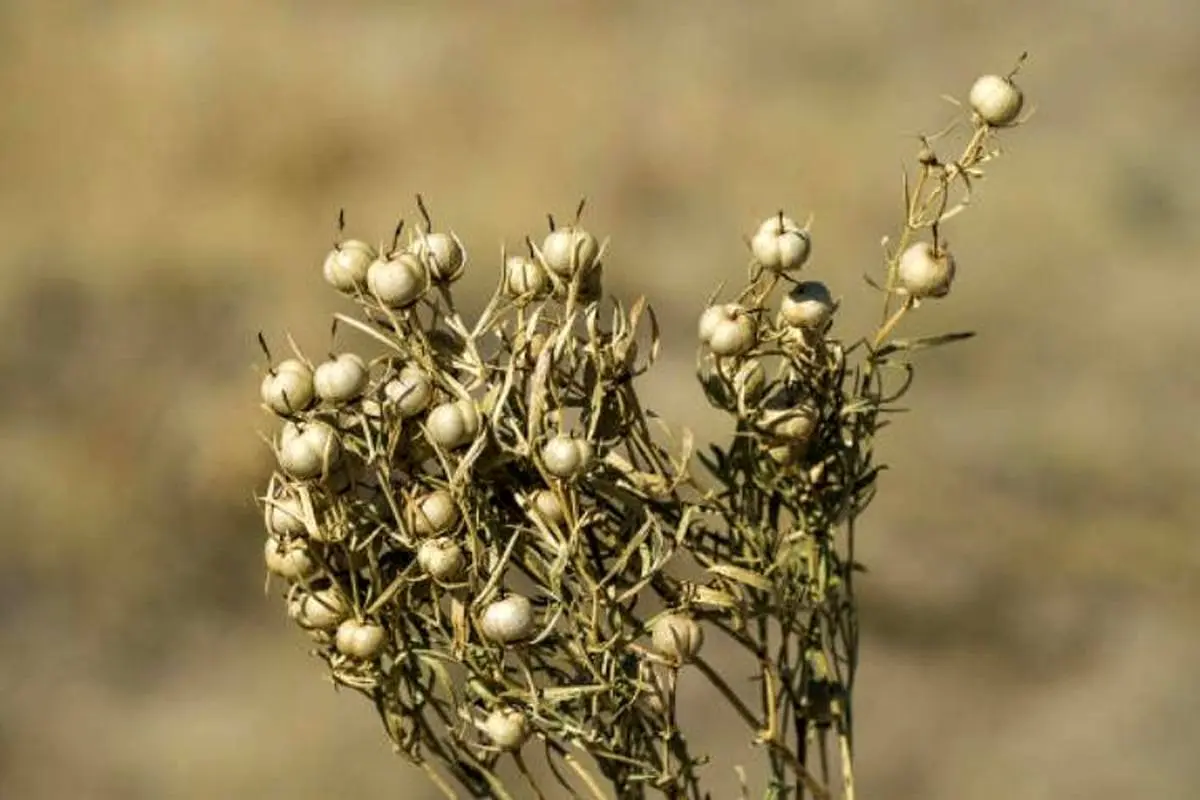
{"x":456,"y":507}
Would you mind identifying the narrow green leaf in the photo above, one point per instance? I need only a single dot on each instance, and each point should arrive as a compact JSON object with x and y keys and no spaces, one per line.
{"x":922,"y":342}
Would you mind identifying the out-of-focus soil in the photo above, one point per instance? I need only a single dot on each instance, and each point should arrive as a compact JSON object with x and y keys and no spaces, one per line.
{"x":170,"y":178}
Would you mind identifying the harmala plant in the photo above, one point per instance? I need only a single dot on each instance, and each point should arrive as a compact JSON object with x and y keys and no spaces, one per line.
{"x":489,"y":535}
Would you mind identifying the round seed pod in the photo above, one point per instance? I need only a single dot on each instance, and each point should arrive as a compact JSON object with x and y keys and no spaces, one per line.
{"x":545,"y":503}
{"x":323,"y":609}
{"x":566,"y":456}
{"x":433,"y":513}
{"x":452,"y":425}
{"x":676,"y":637}
{"x":780,"y":245}
{"x":924,"y":271}
{"x":792,"y":424}
{"x":346,"y":265}
{"x":361,"y":640}
{"x":524,"y":278}
{"x":285,"y":516}
{"x":728,"y":330}
{"x":507,"y":728}
{"x":568,"y":250}
{"x":442,"y":253}
{"x":710,"y":320}
{"x":288,"y":388}
{"x":309,"y":450}
{"x":410,"y":392}
{"x":341,"y":379}
{"x":997,"y":100}
{"x":508,"y":620}
{"x":398,"y":282}
{"x":808,"y":305}
{"x":441,"y":558}
{"x":291,"y":560}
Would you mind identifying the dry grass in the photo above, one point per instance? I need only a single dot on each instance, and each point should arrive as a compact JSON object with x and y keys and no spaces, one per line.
{"x":171,"y":179}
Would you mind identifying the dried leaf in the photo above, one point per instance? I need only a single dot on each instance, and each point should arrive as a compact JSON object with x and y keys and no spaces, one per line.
{"x":655,"y":336}
{"x":706,"y":595}
{"x":632,"y":547}
{"x":369,"y":331}
{"x":387,"y":594}
{"x":922,"y":343}
{"x":745,"y":576}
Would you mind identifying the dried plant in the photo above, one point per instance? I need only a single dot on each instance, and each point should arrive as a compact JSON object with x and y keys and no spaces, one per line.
{"x":489,"y":535}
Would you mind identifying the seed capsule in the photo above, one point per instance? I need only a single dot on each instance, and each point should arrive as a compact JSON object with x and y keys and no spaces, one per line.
{"x":341,"y":379}
{"x":362,"y":640}
{"x":453,"y":425}
{"x":568,"y":250}
{"x":507,"y":728}
{"x":398,"y":282}
{"x":410,"y":392}
{"x":345,"y":267}
{"x":676,"y":637}
{"x":997,"y":100}
{"x":442,"y":253}
{"x":545,"y":503}
{"x":441,"y":558}
{"x":924,"y":271}
{"x":508,"y":620}
{"x":524,"y":278}
{"x":808,"y":305}
{"x":309,"y":450}
{"x":434,"y":513}
{"x":781,"y":245}
{"x":290,"y":561}
{"x":323,"y":610}
{"x":288,"y":388}
{"x":727,"y":329}
{"x":566,"y":456}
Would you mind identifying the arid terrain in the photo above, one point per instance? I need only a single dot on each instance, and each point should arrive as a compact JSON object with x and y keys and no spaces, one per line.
{"x":171,"y":177}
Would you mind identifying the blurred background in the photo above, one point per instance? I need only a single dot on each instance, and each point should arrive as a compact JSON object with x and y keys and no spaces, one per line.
{"x":170,"y":176}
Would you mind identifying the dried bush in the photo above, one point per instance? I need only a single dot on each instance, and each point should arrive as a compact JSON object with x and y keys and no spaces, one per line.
{"x":489,"y":535}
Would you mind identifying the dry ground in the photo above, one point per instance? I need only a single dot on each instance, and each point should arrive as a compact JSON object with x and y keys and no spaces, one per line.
{"x":170,"y":174}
